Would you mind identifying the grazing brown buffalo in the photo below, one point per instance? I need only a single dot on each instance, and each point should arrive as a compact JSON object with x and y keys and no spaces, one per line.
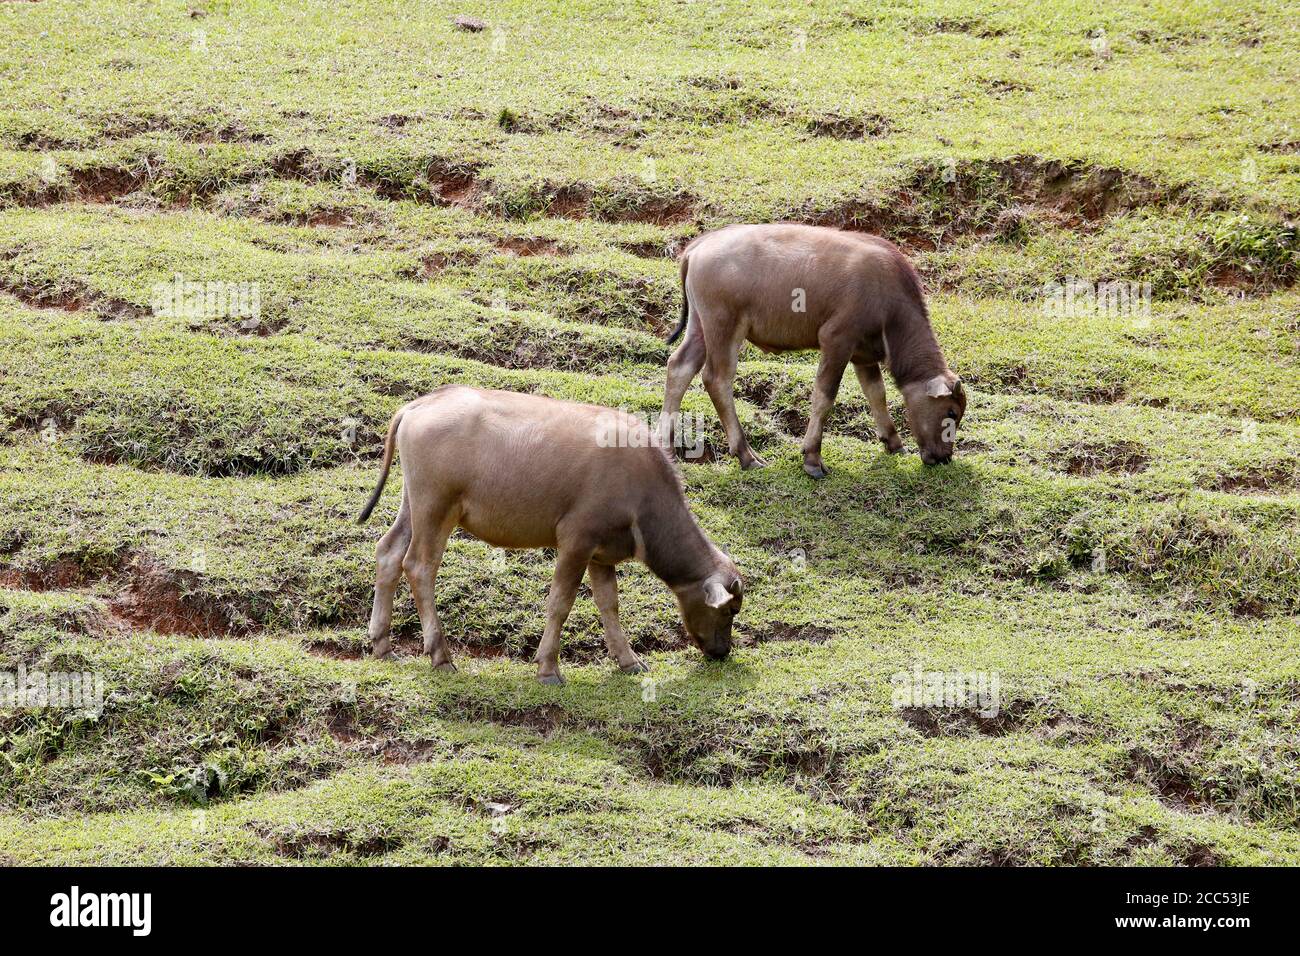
{"x":787,"y":287}
{"x":523,"y":471}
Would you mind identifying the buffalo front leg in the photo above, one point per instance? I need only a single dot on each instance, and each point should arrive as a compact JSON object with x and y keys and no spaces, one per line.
{"x":569,"y":565}
{"x":388,"y":572}
{"x":719,"y":381}
{"x":830,"y":372}
{"x":432,"y":528}
{"x":873,"y":386}
{"x":604,"y":588}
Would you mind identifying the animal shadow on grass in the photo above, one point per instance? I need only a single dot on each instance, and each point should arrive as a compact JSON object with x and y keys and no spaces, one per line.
{"x":894,"y":497}
{"x":704,"y":678}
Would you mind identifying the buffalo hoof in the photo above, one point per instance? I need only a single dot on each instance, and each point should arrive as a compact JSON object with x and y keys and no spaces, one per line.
{"x":551,"y":680}
{"x":636,"y":667}
{"x":893,"y":446}
{"x":750,"y":462}
{"x":816,"y":471}
{"x":447,"y":667}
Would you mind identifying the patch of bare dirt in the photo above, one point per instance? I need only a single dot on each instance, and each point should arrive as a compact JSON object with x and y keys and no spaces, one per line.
{"x":1146,"y":835}
{"x":408,"y":752}
{"x":650,"y":249}
{"x":73,"y":298}
{"x":1164,"y":39}
{"x":999,"y":87}
{"x":458,"y":189}
{"x":105,"y":184}
{"x":614,"y":125}
{"x":963,"y":722}
{"x":63,"y":574}
{"x":93,"y":184}
{"x":335,"y":652}
{"x":970,"y":26}
{"x":546,"y":719}
{"x":580,"y":202}
{"x":148,"y":595}
{"x":568,"y":202}
{"x":435,"y":263}
{"x":529,"y":247}
{"x":1166,"y":774}
{"x":298,"y":164}
{"x":304,"y":844}
{"x":762,"y":393}
{"x":1112,"y":458}
{"x":784,"y":633}
{"x":323,"y":217}
{"x":1016,"y":377}
{"x":792,"y":417}
{"x":703,"y":453}
{"x":395,"y":121}
{"x":1277,"y":480}
{"x":402,"y":645}
{"x":715,"y":84}
{"x":659,"y":211}
{"x":205,"y":131}
{"x":166,"y":601}
{"x":41,"y":141}
{"x":969,"y":198}
{"x":849,"y":127}
{"x":1171,"y":783}
{"x":1200,"y":855}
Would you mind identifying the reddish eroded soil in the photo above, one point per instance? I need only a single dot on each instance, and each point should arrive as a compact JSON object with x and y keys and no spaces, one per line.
{"x":529,"y":247}
{"x":71,"y":297}
{"x":145,"y":595}
{"x":993,"y":197}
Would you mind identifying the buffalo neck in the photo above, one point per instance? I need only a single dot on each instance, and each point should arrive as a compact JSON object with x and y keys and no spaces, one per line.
{"x":913,"y":351}
{"x":675,"y":548}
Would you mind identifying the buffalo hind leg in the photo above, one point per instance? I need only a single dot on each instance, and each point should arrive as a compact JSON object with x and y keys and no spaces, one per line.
{"x":604,"y":588}
{"x":431,"y":529}
{"x":719,"y":380}
{"x":569,"y":566}
{"x":873,"y":386}
{"x":684,"y":365}
{"x":830,"y":372}
{"x":388,"y":573}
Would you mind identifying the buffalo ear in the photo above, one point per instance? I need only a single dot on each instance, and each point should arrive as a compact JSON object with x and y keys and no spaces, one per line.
{"x":715,"y":593}
{"x":938,"y":387}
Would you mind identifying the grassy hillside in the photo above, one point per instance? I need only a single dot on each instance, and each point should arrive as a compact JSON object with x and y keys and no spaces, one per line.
{"x":1118,"y":540}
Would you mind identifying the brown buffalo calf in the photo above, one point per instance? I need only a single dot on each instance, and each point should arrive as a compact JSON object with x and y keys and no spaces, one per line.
{"x":523,"y":471}
{"x":787,"y":287}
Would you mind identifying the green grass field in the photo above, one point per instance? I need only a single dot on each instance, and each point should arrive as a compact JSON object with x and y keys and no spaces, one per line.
{"x":1118,"y":540}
